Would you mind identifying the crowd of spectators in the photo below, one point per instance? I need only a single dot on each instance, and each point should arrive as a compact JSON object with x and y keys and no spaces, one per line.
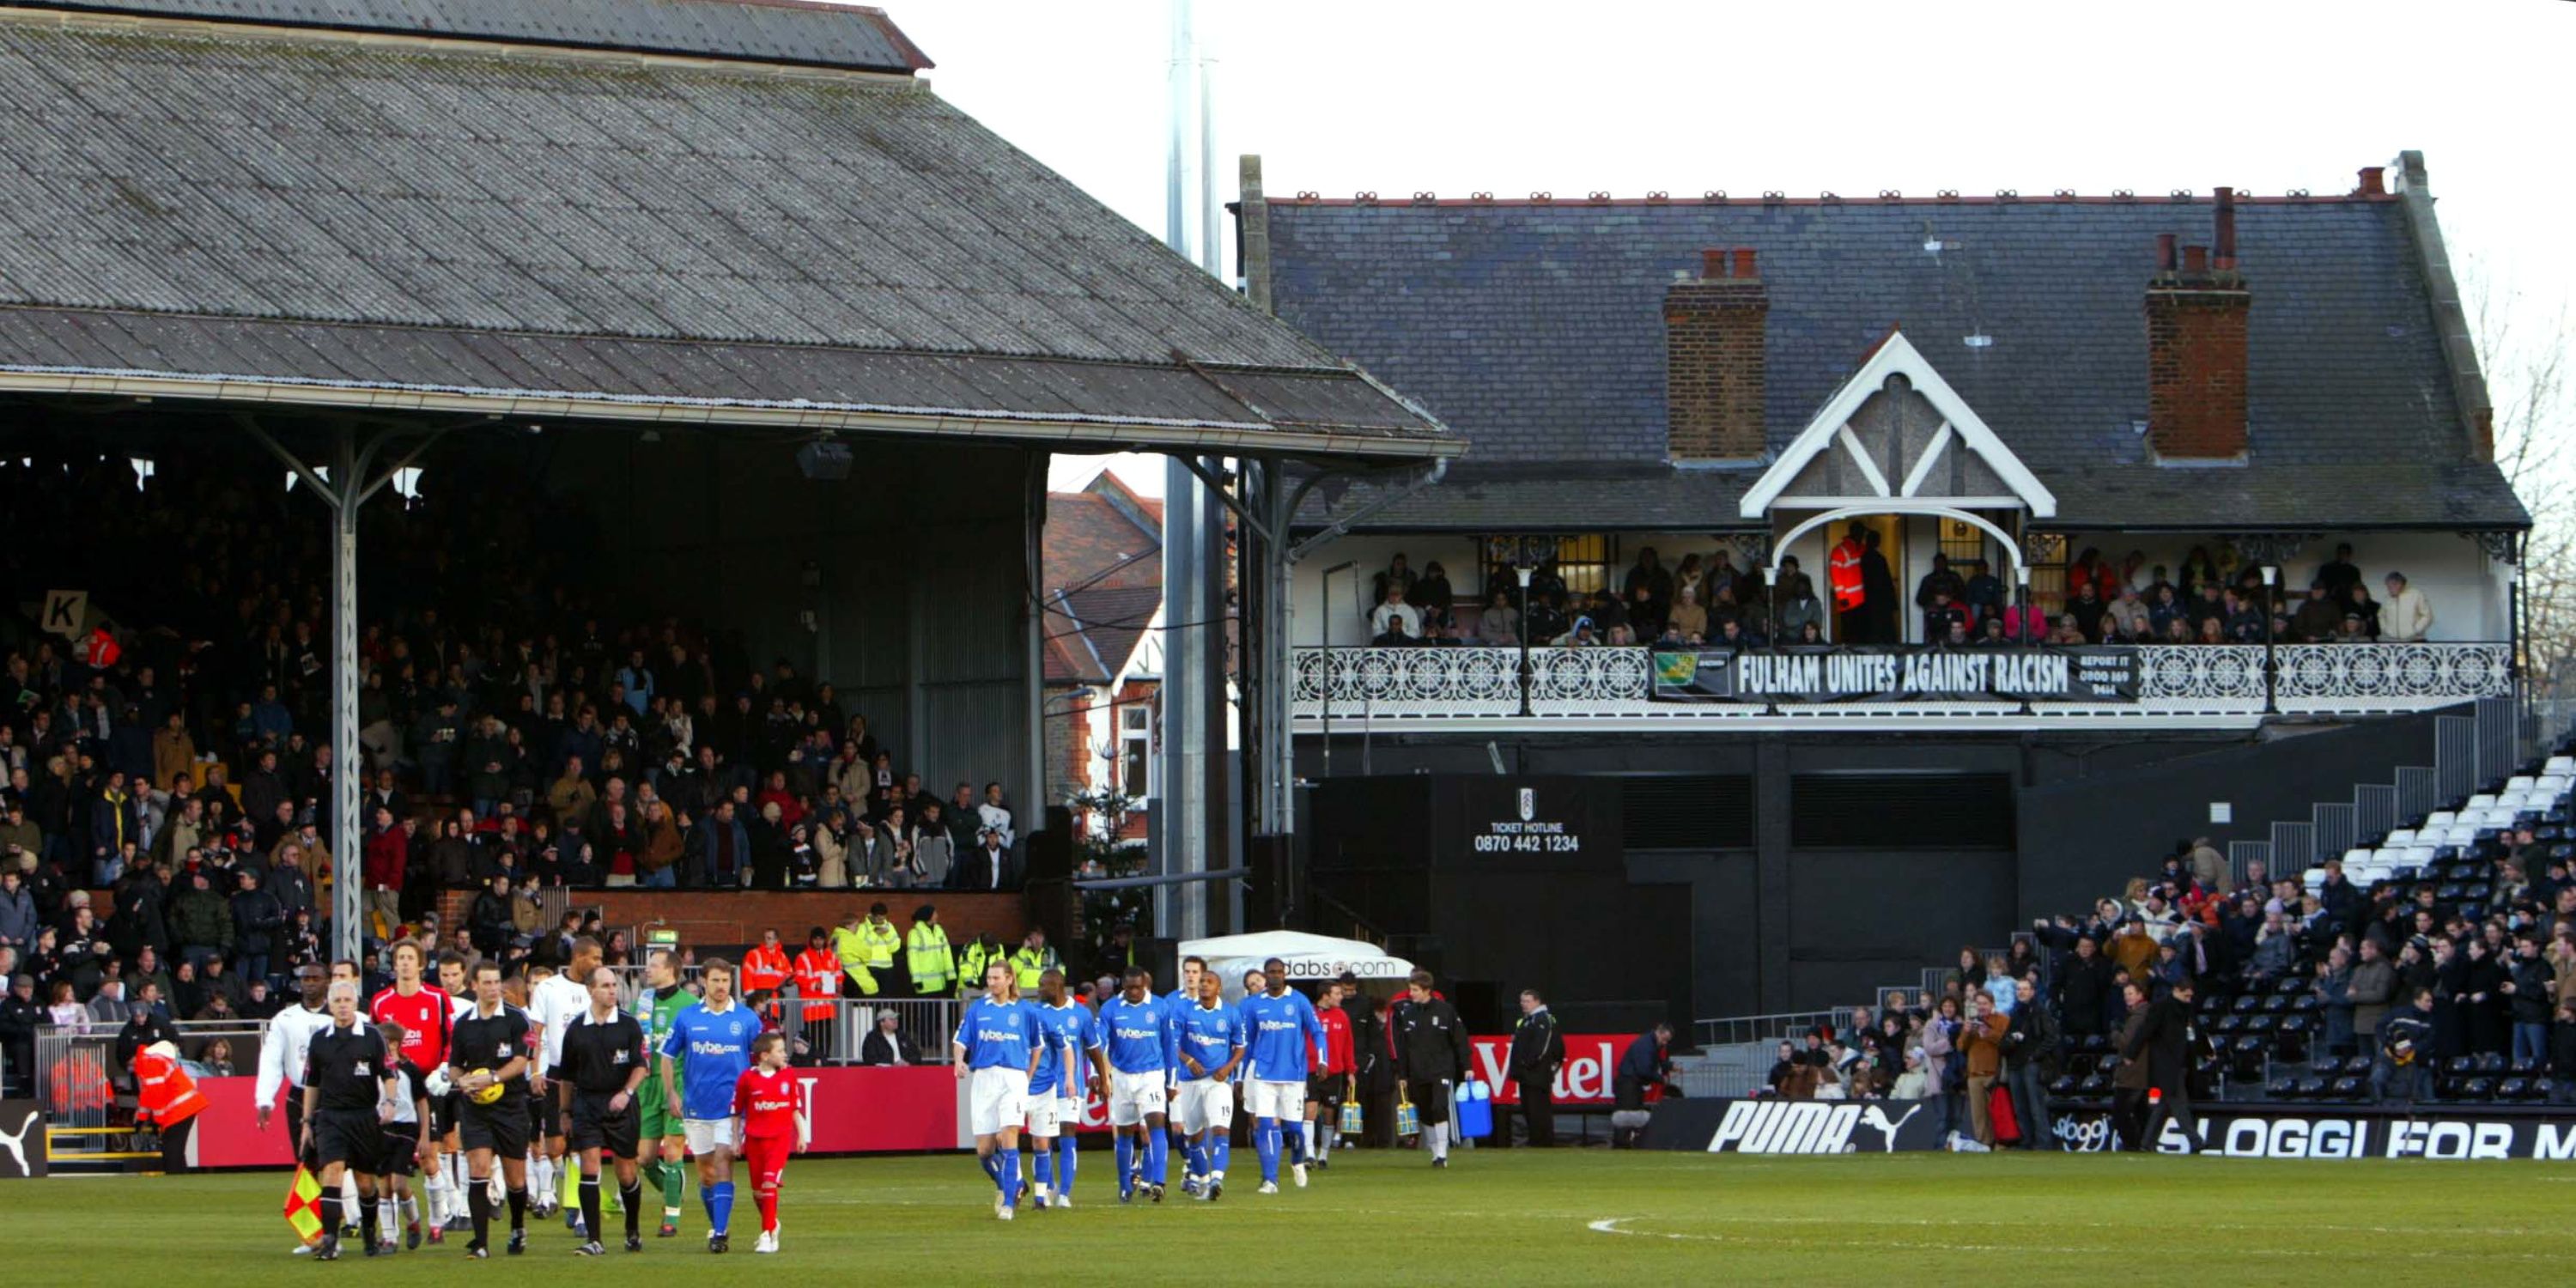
{"x":2409,"y":976}
{"x":516,"y":735}
{"x":1711,"y":601}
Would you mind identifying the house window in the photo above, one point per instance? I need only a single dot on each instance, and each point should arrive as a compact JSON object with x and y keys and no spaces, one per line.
{"x":1587,"y":563}
{"x":2047,"y":553}
{"x":1136,"y":751}
{"x":1963,"y":542}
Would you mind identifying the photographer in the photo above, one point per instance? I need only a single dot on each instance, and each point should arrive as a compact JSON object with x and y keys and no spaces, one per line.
{"x":2405,"y":1067}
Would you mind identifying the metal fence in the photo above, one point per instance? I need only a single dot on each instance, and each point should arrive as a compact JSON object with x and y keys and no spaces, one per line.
{"x":2374,"y":809}
{"x":78,"y":1081}
{"x":1763,"y":1030}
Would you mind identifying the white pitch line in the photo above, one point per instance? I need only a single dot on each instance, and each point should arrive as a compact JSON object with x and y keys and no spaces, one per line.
{"x":1617,"y":1224}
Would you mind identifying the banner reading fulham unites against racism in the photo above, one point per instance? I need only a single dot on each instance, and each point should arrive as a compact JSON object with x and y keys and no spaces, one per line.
{"x":2104,"y":674}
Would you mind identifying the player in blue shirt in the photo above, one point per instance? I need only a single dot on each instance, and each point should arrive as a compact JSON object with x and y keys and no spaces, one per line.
{"x":714,"y":1039}
{"x":1174,"y":1003}
{"x":1072,"y":1050}
{"x":1211,"y":1037}
{"x":998,"y":1043}
{"x":1285,"y":1038}
{"x":1142,"y":1051}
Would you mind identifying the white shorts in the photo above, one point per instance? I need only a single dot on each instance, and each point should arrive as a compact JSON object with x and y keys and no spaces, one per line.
{"x":997,"y":1099}
{"x":1274,"y":1099}
{"x":1049,"y":1112}
{"x":707,"y":1135}
{"x":1204,"y":1104}
{"x":1134,"y":1095}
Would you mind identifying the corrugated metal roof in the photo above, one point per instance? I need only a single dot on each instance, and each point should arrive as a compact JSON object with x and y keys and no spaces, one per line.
{"x":1536,"y":330}
{"x":787,"y":31}
{"x":307,"y":210}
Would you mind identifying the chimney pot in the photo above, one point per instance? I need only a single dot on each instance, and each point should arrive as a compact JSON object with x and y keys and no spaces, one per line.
{"x":1712,"y":264}
{"x":2165,"y":262}
{"x":1744,"y":262}
{"x":2195,"y":261}
{"x":2373,"y":181}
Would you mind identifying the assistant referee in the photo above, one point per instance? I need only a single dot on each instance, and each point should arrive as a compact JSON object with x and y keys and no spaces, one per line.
{"x":603,"y":1060}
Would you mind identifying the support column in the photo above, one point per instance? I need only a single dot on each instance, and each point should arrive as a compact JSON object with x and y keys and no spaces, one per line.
{"x":347,"y":786}
{"x":1181,"y":807}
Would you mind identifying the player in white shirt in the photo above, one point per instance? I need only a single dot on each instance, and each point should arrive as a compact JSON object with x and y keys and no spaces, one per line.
{"x":281,"y":1057}
{"x":554,"y":1002}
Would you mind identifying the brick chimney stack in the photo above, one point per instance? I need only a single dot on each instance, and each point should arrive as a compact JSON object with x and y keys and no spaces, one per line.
{"x":1713,"y":349}
{"x":2196,"y":346}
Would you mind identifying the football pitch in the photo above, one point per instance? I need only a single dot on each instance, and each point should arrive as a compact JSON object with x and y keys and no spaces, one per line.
{"x":1559,"y":1217}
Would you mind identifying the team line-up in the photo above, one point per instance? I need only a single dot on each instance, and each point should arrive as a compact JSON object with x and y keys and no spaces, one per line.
{"x":575,"y":1076}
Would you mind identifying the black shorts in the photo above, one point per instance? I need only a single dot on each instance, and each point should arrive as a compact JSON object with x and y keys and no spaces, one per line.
{"x":1326,"y":1089}
{"x":594,"y":1126}
{"x":1430,"y":1101}
{"x":348,"y":1136}
{"x":402,"y":1150}
{"x":501,"y":1127}
{"x":442,"y":1112}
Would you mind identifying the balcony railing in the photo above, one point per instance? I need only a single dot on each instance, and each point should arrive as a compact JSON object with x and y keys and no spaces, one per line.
{"x":2173,"y":683}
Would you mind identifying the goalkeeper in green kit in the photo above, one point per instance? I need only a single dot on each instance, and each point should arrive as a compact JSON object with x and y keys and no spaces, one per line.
{"x":663,"y":1144}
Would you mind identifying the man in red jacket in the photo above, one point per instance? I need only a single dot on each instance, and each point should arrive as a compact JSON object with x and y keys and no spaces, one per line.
{"x":1331,"y":1080}
{"x":1842,"y":572}
{"x":388,"y":849}
{"x":167,"y":1098}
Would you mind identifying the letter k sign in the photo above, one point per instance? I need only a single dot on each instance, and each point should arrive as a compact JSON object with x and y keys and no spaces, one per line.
{"x":63,"y":612}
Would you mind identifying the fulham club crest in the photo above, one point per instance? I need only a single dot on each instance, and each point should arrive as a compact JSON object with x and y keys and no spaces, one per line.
{"x":1529,"y":804}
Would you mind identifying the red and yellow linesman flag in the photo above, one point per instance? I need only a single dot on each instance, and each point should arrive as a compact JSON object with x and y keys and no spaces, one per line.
{"x":304,"y":1207}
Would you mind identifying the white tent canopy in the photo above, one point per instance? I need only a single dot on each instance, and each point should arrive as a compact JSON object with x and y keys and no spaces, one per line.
{"x":1310,"y":958}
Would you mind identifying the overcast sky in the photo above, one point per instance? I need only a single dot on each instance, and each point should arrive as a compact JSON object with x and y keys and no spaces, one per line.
{"x":1340,"y":96}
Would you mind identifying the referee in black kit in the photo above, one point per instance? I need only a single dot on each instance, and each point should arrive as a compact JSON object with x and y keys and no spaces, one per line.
{"x":349,"y":1089}
{"x":490,"y":1046}
{"x":603,"y":1059}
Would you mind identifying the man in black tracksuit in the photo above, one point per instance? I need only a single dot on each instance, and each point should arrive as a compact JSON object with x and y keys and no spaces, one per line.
{"x":2168,"y":1041}
{"x":349,"y":1086}
{"x":1538,"y":1050}
{"x":1431,"y":1056}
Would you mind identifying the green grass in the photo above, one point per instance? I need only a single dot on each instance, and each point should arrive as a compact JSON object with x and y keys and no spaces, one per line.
{"x":1493,"y":1217}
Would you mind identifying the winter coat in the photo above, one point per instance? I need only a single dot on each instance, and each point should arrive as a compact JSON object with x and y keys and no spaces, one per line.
{"x":2372,"y":985}
{"x":256,"y":919}
{"x":201,"y":919}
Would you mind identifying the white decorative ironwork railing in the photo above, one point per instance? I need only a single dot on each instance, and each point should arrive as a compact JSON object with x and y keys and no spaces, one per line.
{"x":1411,"y":684}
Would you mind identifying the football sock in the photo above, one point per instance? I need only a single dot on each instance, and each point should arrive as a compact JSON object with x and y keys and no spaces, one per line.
{"x":1265,"y":1138}
{"x":765,"y":1194}
{"x":518,"y":1209}
{"x":590,"y":1207}
{"x":1065,"y":1153}
{"x":720,"y":1207}
{"x":674,"y":1180}
{"x":1436,"y":1135}
{"x":1294,"y":1133}
{"x":388,"y":1216}
{"x":1044,"y":1151}
{"x":1224,"y":1151}
{"x":630,"y":1195}
{"x":1193,"y":1158}
{"x":1306,"y":1140}
{"x":1126,"y":1161}
{"x":478,"y":1200}
{"x":367,"y":1220}
{"x":1007,"y":1175}
{"x":410,"y":1210}
{"x":1158,"y":1153}
{"x":330,"y":1214}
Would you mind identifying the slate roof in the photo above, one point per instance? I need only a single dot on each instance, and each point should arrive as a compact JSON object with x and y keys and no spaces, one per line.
{"x":311,"y":216}
{"x":1103,"y":553}
{"x":1535,"y":330}
{"x":787,"y":31}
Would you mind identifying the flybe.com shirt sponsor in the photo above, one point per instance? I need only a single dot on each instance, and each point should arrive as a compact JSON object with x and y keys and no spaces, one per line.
{"x":999,"y":1035}
{"x":718,"y":1047}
